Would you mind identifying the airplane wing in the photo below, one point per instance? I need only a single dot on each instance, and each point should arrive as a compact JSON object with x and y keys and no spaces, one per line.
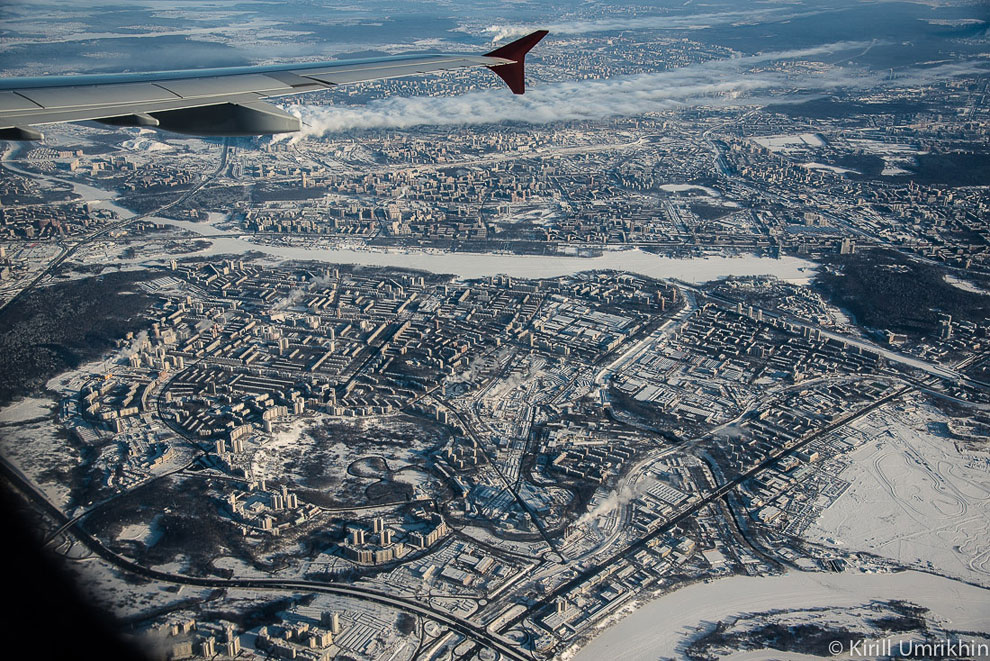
{"x":219,"y":102}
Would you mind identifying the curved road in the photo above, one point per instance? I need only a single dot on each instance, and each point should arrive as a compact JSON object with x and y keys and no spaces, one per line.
{"x":694,"y":506}
{"x":66,"y":525}
{"x":475,"y":632}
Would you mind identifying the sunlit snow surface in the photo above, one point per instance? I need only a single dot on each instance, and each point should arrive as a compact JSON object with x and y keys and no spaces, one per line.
{"x":931,"y":500}
{"x":662,"y":628}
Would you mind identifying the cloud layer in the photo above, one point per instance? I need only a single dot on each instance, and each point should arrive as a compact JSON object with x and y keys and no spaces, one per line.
{"x":736,"y":81}
{"x":674,"y":22}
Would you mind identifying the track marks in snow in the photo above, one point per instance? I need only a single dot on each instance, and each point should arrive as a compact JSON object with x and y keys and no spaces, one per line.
{"x":912,"y":497}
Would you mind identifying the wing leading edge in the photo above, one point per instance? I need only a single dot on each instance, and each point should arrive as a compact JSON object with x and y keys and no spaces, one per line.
{"x":216,"y":102}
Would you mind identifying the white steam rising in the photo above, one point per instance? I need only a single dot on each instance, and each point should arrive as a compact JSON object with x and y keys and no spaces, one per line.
{"x":607,"y":505}
{"x":728,"y":82}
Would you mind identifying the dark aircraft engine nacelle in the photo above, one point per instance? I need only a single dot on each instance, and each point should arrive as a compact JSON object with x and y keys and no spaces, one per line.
{"x":228,"y":119}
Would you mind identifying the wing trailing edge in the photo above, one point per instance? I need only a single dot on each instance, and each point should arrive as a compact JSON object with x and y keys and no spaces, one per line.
{"x":214,"y":102}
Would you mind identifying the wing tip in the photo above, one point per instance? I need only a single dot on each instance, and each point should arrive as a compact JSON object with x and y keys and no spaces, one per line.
{"x":514,"y":74}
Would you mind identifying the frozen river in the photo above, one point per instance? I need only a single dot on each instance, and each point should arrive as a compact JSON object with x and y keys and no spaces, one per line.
{"x":662,"y":627}
{"x":477,"y":265}
{"x":473,"y":265}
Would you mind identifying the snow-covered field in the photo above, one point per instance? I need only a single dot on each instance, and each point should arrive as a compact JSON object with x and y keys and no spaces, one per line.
{"x":36,"y":449}
{"x":965,"y":285}
{"x":894,"y":155}
{"x":107,"y":587}
{"x":785,"y":143}
{"x":684,"y":188}
{"x":29,"y":408}
{"x":928,"y":504}
{"x":821,"y":166}
{"x":33,"y":440}
{"x":141,"y":532}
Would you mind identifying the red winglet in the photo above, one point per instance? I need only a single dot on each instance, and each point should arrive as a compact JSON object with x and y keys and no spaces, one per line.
{"x":512,"y":74}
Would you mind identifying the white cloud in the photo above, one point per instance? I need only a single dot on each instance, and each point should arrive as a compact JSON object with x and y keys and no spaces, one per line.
{"x":674,"y":22}
{"x":735,"y":81}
